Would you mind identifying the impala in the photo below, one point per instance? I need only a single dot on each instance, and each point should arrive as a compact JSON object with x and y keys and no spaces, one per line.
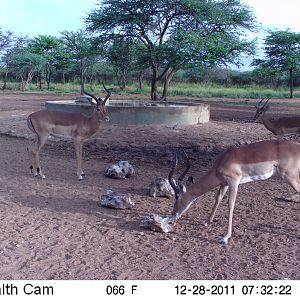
{"x":278,"y":126}
{"x":79,"y":127}
{"x":237,"y":165}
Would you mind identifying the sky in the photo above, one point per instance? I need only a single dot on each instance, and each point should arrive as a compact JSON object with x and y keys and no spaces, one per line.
{"x":46,"y":17}
{"x":34,"y":17}
{"x":277,"y":14}
{"x":50,"y":17}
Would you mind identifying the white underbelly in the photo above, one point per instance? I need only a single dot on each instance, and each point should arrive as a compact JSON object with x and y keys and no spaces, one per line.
{"x":62,"y":131}
{"x":61,"y":136}
{"x":264,"y":176}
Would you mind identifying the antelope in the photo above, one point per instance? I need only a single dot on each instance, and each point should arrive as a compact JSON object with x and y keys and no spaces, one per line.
{"x":278,"y":126}
{"x":237,"y":165}
{"x":77,"y":126}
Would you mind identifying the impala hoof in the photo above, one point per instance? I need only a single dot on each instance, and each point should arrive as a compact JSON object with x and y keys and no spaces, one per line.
{"x":224,"y":240}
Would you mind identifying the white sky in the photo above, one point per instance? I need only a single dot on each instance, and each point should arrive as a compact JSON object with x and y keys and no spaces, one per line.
{"x":277,"y":14}
{"x":34,"y":17}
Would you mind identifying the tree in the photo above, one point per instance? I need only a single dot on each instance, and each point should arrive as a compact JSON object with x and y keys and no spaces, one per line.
{"x":120,"y":55}
{"x":17,"y":45}
{"x":6,"y":39}
{"x":282,"y":53}
{"x":52,"y":49}
{"x":176,"y":32}
{"x":81,"y":48}
{"x":25,"y":64}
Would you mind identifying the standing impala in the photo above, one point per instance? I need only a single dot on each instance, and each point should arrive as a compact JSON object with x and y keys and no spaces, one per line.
{"x":237,"y":165}
{"x":44,"y":123}
{"x":278,"y":126}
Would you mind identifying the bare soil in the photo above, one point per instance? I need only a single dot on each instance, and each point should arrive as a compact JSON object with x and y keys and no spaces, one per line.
{"x":55,"y":228}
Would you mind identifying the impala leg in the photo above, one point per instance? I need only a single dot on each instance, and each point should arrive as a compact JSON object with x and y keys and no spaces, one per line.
{"x":231,"y":202}
{"x":220,"y":195}
{"x":36,"y":166}
{"x":294,"y":181}
{"x":78,"y":150}
{"x":33,"y":166}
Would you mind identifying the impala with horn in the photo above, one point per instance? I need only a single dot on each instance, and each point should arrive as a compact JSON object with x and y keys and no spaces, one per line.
{"x":77,"y":126}
{"x":237,"y":165}
{"x":278,"y":126}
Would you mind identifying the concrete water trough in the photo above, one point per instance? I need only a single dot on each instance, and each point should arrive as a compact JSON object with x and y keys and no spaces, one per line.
{"x":133,"y":112}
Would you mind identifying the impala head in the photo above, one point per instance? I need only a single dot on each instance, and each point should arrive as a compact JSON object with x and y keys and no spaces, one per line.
{"x":178,"y":186}
{"x":261,"y":108}
{"x":100,"y":103}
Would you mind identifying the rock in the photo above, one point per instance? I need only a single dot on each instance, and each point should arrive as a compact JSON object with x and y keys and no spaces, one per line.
{"x":115,"y":200}
{"x":121,"y":170}
{"x":158,"y":223}
{"x":161,"y":187}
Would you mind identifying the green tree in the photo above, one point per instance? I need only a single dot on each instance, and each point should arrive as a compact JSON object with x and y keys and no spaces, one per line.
{"x":120,"y":55}
{"x":6,"y":39}
{"x":53,"y":50}
{"x":17,"y":44}
{"x":176,"y":32}
{"x":24,"y":64}
{"x":282,"y":53}
{"x":81,"y":48}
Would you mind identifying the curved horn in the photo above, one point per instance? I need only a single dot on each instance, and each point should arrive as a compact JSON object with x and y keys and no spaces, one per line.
{"x":266,"y":102}
{"x":108,"y":93}
{"x":93,"y":96}
{"x":258,"y":104}
{"x":187,"y":167}
{"x":171,"y":174}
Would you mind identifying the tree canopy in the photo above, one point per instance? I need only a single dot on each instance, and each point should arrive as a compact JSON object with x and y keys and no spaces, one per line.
{"x":282,"y":53}
{"x":176,"y":32}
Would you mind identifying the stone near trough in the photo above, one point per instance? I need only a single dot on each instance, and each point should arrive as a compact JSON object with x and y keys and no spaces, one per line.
{"x":161,"y":187}
{"x":158,"y":223}
{"x":116,"y":200}
{"x":122,"y":170}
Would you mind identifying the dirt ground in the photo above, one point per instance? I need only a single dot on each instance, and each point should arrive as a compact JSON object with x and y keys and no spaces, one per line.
{"x":55,"y":228}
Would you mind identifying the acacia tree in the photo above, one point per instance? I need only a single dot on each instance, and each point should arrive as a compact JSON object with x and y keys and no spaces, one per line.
{"x":282,"y":53}
{"x":6,"y":41}
{"x":176,"y":32}
{"x":81,"y":47}
{"x":24,"y":64}
{"x":52,"y":49}
{"x":120,"y":55}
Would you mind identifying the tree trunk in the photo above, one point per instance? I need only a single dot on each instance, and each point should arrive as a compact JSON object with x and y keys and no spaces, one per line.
{"x":154,"y":84}
{"x":39,"y":80}
{"x":291,"y":82}
{"x":5,"y":81}
{"x":140,"y":79}
{"x":48,"y":75}
{"x":166,"y":85}
{"x":123,"y":80}
{"x":81,"y":77}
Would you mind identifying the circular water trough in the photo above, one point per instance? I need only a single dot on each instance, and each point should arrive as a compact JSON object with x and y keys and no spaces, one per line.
{"x":141,"y":112}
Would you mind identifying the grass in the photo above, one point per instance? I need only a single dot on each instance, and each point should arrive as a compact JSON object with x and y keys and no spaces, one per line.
{"x":209,"y":91}
{"x":175,"y":90}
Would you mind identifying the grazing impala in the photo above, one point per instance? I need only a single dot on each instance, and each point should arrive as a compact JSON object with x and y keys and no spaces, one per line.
{"x":44,"y":123}
{"x":278,"y":126}
{"x":237,"y":165}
